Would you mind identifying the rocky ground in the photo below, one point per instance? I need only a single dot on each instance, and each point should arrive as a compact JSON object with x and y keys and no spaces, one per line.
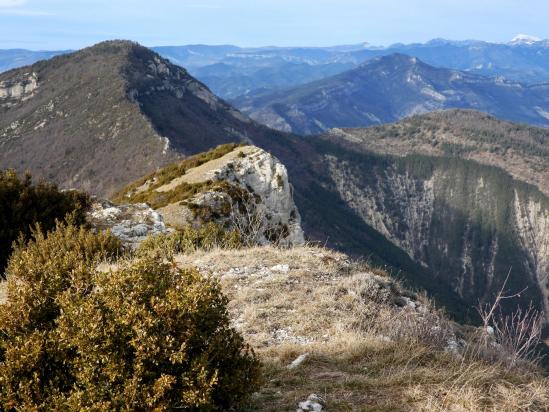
{"x":338,"y":335}
{"x":130,"y":223}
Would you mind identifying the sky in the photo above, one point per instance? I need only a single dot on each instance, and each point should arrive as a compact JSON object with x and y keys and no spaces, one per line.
{"x":72,"y":24}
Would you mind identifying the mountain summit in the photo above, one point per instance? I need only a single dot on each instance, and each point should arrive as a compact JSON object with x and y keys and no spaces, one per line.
{"x":69,"y":119}
{"x":524,"y":39}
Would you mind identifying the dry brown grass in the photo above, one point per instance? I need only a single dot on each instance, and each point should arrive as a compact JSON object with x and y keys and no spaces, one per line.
{"x":206,"y":171}
{"x":368,"y":347}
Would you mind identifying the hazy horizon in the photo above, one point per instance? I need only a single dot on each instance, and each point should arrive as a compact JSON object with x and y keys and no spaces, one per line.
{"x":258,"y":46}
{"x":62,"y":24}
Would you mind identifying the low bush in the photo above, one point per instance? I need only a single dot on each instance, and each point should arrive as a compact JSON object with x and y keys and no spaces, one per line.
{"x":23,"y":204}
{"x":146,"y":337}
{"x":188,"y":239}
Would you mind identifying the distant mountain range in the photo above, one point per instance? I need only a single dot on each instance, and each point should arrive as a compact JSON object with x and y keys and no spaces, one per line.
{"x":232,"y":71}
{"x":524,"y":59}
{"x":389,"y":88}
{"x":14,"y":58}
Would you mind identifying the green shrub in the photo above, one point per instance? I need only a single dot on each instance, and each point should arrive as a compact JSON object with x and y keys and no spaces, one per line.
{"x":23,"y":204}
{"x":188,"y":239}
{"x":32,"y":364}
{"x":146,"y":337}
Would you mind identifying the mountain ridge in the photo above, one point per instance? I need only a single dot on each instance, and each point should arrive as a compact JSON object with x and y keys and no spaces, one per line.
{"x":389,"y":88}
{"x":524,"y":62}
{"x":460,"y":133}
{"x":68,"y":118}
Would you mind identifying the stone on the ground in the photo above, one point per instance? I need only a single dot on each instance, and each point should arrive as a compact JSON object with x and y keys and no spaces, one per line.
{"x":314,"y":403}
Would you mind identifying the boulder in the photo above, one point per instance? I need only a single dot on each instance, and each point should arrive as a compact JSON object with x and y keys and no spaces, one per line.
{"x":130,"y":223}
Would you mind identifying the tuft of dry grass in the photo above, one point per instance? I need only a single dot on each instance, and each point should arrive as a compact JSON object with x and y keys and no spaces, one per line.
{"x":3,"y":292}
{"x":370,"y":344}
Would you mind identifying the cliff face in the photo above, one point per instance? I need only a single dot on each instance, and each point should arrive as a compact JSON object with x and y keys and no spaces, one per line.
{"x":532,"y":224}
{"x":468,"y":225}
{"x":20,"y":88}
{"x":266,"y":179}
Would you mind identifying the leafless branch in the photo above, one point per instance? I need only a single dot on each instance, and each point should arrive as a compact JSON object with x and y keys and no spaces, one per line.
{"x":514,"y":337}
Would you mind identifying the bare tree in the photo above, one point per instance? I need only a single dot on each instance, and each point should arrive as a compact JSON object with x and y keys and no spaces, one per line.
{"x":248,"y":220}
{"x":513,"y":337}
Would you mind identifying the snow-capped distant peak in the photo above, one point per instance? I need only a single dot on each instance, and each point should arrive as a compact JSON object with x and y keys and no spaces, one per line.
{"x":524,"y":39}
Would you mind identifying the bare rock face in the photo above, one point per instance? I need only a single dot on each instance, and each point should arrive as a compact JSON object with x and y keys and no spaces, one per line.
{"x":254,"y":197}
{"x":532,"y":228}
{"x":130,"y":223}
{"x":19,"y":89}
{"x":469,"y":225}
{"x":267,"y":179}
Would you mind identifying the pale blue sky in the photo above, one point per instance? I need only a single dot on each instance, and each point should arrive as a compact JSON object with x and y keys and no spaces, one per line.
{"x":64,"y":24}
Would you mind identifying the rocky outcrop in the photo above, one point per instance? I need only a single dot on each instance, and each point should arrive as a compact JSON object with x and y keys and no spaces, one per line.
{"x":241,"y":188}
{"x":253,"y":196}
{"x":18,"y":89}
{"x":130,"y":223}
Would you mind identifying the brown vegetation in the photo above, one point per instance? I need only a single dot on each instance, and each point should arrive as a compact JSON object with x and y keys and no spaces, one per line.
{"x":145,"y":190}
{"x":188,"y":240}
{"x":149,"y":336}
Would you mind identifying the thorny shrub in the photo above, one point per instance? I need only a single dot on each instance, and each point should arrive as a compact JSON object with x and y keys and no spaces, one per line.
{"x":147,"y":336}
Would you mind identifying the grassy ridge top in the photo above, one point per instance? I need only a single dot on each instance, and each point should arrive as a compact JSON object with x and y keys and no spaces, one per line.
{"x":145,"y":190}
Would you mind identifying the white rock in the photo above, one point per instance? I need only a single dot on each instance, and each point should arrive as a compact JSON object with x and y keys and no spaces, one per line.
{"x":267,"y":177}
{"x":270,"y":214}
{"x":130,"y":223}
{"x":287,"y":336}
{"x":23,"y":89}
{"x":313,"y":403}
{"x":281,"y":268}
{"x":298,"y":361}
